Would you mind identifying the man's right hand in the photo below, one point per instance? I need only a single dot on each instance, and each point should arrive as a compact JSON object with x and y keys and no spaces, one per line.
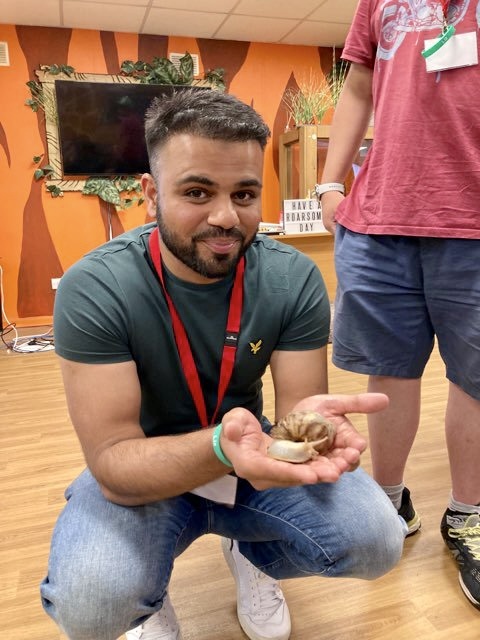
{"x":244,"y":443}
{"x":330,"y":201}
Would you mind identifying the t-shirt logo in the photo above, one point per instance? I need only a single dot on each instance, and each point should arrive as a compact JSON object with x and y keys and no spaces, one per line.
{"x":255,"y":347}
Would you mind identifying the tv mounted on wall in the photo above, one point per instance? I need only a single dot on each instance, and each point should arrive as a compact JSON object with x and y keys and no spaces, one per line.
{"x":101,"y":126}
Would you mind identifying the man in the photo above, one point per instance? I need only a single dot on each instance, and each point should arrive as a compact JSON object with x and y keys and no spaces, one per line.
{"x":165,"y":332}
{"x":407,"y":241}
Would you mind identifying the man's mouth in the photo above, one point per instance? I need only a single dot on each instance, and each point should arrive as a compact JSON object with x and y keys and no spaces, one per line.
{"x":221,"y":245}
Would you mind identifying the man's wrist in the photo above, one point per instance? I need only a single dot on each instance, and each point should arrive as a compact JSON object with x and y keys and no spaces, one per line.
{"x":217,"y":449}
{"x":325,"y":187}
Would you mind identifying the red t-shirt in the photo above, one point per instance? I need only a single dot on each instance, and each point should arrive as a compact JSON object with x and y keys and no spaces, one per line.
{"x":421,"y":176}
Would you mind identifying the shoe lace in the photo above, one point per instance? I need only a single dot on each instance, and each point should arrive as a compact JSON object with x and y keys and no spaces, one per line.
{"x":470,"y":533}
{"x":270,"y":597}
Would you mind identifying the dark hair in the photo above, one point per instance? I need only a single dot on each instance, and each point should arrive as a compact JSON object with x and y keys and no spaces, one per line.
{"x":202,"y":112}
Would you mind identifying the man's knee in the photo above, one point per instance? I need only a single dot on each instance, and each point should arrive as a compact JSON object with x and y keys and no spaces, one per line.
{"x":379,"y":548}
{"x":86,"y":610}
{"x":365,"y":550}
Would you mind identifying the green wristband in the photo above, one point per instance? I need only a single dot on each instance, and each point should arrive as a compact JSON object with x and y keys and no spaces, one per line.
{"x":217,"y":448}
{"x":444,"y":37}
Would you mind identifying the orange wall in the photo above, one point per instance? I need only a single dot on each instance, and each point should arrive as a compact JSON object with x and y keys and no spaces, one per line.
{"x":41,"y":236}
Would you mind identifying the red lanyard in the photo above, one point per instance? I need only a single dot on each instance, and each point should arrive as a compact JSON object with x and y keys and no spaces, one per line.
{"x":445,"y":5}
{"x":183,"y":345}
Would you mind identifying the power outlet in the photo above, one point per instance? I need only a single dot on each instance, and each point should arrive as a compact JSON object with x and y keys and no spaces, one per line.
{"x":55,"y":282}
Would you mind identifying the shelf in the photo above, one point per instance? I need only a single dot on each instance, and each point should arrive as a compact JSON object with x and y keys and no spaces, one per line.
{"x":296,"y":236}
{"x":302,"y":153}
{"x":318,"y":247}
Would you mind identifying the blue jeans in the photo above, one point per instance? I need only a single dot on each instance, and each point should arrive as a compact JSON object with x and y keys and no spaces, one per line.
{"x":110,"y":565}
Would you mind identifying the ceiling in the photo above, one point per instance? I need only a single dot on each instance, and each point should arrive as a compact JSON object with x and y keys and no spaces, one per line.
{"x":299,"y":22}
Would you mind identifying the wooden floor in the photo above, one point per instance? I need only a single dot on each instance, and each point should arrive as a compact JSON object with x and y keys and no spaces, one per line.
{"x":39,"y":455}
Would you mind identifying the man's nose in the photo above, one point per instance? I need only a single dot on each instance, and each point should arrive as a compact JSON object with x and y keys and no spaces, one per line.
{"x":223,"y":213}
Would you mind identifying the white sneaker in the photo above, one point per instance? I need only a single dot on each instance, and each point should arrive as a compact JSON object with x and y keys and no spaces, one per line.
{"x":261,"y":607}
{"x":162,"y":625}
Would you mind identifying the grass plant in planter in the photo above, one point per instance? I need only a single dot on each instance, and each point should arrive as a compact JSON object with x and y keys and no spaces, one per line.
{"x":309,"y":103}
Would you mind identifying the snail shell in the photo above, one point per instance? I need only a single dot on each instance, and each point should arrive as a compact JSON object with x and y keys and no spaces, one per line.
{"x":301,"y":436}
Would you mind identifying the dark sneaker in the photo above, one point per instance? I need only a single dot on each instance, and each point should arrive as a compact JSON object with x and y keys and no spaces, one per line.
{"x":461,"y":532}
{"x":408,"y":513}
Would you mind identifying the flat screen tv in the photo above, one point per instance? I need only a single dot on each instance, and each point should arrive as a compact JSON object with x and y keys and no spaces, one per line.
{"x":101,"y":126}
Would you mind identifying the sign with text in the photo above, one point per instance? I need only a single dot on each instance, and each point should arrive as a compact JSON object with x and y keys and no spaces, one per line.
{"x":303,"y":216}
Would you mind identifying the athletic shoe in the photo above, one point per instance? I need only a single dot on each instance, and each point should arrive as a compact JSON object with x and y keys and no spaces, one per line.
{"x":162,"y":625}
{"x":261,"y":608}
{"x":408,"y":513}
{"x":461,"y":532}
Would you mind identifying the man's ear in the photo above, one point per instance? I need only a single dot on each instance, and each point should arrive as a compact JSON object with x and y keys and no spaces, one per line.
{"x":150,"y":192}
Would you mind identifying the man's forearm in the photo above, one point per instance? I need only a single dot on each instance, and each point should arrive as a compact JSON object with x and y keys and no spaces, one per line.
{"x":144,"y":470}
{"x":350,"y":123}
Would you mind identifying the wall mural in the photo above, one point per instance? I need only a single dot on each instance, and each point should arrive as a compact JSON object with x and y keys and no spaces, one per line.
{"x":38,"y":258}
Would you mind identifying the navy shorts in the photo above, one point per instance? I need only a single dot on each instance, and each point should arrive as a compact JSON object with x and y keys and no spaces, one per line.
{"x":395,"y":294}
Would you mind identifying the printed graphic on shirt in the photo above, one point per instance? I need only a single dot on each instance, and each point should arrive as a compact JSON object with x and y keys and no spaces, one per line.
{"x":400,"y":17}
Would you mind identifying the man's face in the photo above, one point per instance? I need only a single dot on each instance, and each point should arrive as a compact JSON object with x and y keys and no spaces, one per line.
{"x":207,"y":201}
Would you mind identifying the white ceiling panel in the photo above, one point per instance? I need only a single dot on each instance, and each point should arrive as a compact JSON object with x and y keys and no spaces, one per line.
{"x":255,"y":29}
{"x":318,"y":34}
{"x":335,"y":11}
{"x":101,"y":16}
{"x":30,"y":13}
{"x":307,"y":22}
{"x":182,"y":23}
{"x":277,"y":8}
{"x":215,"y":6}
{"x":113,"y":4}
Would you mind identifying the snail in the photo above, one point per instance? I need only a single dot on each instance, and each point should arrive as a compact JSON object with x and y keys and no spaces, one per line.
{"x":301,"y":436}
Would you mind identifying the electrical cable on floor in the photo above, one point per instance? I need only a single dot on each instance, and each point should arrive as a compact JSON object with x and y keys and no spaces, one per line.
{"x":23,"y":344}
{"x":34,"y":343}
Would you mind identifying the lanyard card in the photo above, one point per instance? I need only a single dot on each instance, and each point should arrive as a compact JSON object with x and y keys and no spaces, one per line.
{"x":221,"y":490}
{"x":459,"y":51}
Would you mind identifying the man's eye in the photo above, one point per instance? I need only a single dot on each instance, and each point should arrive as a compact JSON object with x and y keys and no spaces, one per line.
{"x":196,"y":194}
{"x":245,"y":196}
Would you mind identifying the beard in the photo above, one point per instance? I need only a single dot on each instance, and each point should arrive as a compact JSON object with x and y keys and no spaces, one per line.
{"x":217,"y":265}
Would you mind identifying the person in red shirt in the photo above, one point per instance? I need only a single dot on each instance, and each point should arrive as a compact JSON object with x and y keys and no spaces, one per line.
{"x":407,"y":250}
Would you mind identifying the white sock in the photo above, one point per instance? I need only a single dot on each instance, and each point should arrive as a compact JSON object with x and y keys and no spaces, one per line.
{"x":455,"y":505}
{"x":394,"y":492}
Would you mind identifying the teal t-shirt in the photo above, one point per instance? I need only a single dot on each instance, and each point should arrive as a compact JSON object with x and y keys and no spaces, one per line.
{"x":110,"y":308}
